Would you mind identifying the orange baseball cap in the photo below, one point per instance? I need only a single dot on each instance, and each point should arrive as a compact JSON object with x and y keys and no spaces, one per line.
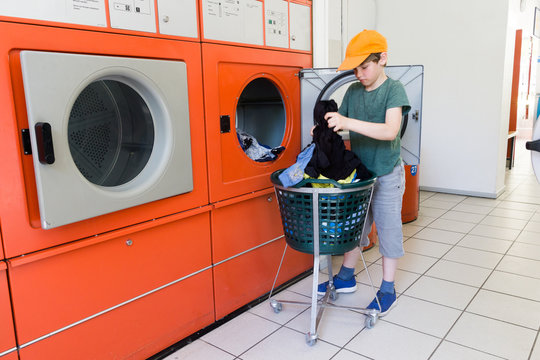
{"x":361,"y":46}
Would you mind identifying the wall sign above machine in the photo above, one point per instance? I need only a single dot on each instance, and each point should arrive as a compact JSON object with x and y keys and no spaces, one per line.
{"x":107,"y":133}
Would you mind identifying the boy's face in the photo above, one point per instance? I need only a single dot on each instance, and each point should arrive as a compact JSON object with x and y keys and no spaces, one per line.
{"x":368,"y":73}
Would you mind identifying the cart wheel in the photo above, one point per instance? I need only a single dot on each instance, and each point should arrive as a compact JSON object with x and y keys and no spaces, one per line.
{"x":276,"y":306}
{"x":333,"y":295}
{"x":370,"y":322}
{"x":311,"y":339}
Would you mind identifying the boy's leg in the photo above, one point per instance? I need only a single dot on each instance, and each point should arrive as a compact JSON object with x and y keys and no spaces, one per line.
{"x":386,"y":204}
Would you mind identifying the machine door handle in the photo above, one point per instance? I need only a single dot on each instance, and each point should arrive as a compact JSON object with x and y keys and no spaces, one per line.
{"x":533,"y":145}
{"x":44,"y":143}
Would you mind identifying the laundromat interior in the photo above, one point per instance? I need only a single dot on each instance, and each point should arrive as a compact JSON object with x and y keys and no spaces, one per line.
{"x":139,"y":220}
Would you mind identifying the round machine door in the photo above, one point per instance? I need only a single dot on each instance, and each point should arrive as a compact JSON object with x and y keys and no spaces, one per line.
{"x":110,"y":133}
{"x":534,"y":146}
{"x":261,"y":120}
{"x":107,"y":133}
{"x":326,"y":84}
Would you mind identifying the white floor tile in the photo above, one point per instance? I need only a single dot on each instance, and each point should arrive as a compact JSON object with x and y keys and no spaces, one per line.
{"x":415,"y":263}
{"x":520,"y":266}
{"x":495,"y":232}
{"x":460,"y":273}
{"x":406,"y":344}
{"x":438,"y":204}
{"x":517,"y":285}
{"x":237,"y":336}
{"x":536,"y":217}
{"x":288,"y":312}
{"x":425,"y":247}
{"x":411,"y":229}
{"x":430,"y":211}
{"x":423,"y":316}
{"x":492,"y":336}
{"x":475,"y":257}
{"x":452,"y":225}
{"x":287,"y":344}
{"x":199,"y":350}
{"x":426,"y":194}
{"x":528,"y":251}
{"x":536,"y":351}
{"x":337,"y":326}
{"x":506,"y":308}
{"x":475,"y":209}
{"x":443,"y":236}
{"x":305,"y":286}
{"x":481,"y":201}
{"x":448,"y":197}
{"x":348,"y":355}
{"x":451,"y":351}
{"x":504,"y":222}
{"x":485,"y":243}
{"x":442,"y":292}
{"x":422,"y":221}
{"x":529,"y":237}
{"x":524,"y":198}
{"x":512,"y":214}
{"x":533,"y":226}
{"x":517,"y":206}
{"x":463,"y":216}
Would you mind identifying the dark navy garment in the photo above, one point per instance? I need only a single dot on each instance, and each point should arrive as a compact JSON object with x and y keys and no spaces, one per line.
{"x":330,"y":157}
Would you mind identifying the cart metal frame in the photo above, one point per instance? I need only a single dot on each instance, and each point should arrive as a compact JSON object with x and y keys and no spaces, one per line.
{"x":318,"y":305}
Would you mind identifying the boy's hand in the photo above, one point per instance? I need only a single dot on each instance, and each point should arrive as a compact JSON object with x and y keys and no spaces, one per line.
{"x":336,"y":120}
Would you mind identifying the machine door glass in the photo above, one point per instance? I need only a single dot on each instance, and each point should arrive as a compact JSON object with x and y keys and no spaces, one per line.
{"x":261,"y":120}
{"x":107,"y":133}
{"x":325,"y":84}
{"x":110,"y":133}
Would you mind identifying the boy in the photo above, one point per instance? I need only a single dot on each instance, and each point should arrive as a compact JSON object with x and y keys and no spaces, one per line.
{"x":372,"y":110}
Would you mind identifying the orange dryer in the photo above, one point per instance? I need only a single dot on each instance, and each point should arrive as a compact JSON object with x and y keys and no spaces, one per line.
{"x":77,"y":161}
{"x":256,"y":92}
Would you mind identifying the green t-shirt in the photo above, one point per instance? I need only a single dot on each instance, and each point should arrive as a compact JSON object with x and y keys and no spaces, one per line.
{"x":379,"y":156}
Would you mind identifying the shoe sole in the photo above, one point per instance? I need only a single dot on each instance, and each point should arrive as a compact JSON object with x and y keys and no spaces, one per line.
{"x":341,"y":290}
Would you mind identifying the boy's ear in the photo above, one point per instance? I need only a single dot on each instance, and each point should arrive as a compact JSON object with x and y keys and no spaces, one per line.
{"x":384,"y":58}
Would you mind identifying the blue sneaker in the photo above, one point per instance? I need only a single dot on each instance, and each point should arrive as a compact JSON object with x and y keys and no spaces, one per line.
{"x":387,"y":301}
{"x":342,"y":286}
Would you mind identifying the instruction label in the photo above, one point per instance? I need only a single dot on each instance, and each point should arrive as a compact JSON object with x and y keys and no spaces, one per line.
{"x":82,"y":12}
{"x":133,"y":15}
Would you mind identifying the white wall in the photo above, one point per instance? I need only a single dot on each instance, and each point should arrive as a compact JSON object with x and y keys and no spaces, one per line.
{"x":467,"y":50}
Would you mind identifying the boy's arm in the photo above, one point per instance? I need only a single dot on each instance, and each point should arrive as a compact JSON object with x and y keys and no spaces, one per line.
{"x":380,"y":131}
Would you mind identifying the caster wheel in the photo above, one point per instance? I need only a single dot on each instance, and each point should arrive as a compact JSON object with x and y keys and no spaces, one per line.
{"x":311,"y":339}
{"x":276,"y":306}
{"x":333,"y":295}
{"x":370,"y":321}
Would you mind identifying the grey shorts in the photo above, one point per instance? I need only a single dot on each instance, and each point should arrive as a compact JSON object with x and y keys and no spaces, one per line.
{"x":385,"y":210}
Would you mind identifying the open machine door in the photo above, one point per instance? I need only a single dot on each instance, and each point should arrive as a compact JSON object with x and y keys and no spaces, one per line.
{"x":325,"y":84}
{"x":534,"y":146}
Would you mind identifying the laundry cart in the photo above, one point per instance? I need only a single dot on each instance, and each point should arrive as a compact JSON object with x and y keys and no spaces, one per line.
{"x":322,"y":220}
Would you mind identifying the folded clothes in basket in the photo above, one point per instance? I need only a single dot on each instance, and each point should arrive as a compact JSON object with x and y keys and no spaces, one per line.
{"x":349,"y":179}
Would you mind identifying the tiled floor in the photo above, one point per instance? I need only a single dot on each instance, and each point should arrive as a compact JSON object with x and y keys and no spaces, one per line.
{"x":468,"y":287}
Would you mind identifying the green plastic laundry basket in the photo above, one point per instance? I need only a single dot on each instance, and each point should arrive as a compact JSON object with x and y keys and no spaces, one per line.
{"x":340,"y":214}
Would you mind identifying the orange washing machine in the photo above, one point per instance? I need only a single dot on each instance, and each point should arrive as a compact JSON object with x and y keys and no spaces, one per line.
{"x":105,"y":222}
{"x":252,"y":52}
